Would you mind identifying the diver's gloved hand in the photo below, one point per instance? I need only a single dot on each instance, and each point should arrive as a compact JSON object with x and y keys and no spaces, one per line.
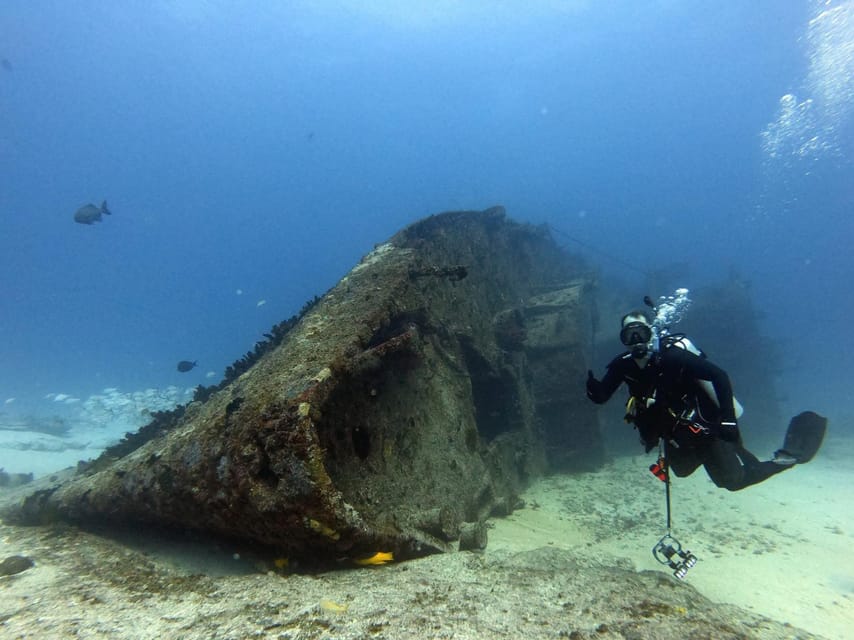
{"x":729,"y":432}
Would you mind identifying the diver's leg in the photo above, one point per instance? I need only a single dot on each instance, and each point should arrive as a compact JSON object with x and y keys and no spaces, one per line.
{"x":755,"y":470}
{"x":732,"y":467}
{"x":723,"y":465}
{"x":682,"y":460}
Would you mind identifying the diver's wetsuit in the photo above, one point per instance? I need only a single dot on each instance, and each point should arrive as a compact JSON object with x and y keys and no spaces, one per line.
{"x":666,"y":391}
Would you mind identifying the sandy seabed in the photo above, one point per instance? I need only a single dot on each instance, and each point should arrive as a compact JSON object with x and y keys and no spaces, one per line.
{"x":575,"y":562}
{"x":781,"y":549}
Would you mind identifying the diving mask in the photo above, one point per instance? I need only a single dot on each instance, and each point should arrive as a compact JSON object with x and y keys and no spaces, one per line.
{"x":635,"y":334}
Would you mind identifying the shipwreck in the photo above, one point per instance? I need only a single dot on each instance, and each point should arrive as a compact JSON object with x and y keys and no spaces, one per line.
{"x":413,"y":400}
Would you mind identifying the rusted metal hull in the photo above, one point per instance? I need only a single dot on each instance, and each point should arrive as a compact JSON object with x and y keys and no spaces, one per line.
{"x":420,"y":393}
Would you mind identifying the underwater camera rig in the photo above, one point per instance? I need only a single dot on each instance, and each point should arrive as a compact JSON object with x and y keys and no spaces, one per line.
{"x":669,"y":551}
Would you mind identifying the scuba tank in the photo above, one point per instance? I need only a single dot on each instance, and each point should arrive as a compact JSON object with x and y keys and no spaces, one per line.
{"x":670,"y":310}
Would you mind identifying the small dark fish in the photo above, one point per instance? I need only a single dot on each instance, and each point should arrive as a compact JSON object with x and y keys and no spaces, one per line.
{"x":90,"y":213}
{"x":185,"y":365}
{"x":6,"y":64}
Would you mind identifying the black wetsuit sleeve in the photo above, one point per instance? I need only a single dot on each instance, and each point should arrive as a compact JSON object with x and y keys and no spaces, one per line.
{"x":703,"y":369}
{"x":600,"y":391}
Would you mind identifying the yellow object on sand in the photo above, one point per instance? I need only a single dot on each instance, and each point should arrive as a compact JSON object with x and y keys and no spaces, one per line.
{"x":380,"y":557}
{"x":333,"y":607}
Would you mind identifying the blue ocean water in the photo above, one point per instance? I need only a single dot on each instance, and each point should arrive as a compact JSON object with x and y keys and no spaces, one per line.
{"x":252,"y":152}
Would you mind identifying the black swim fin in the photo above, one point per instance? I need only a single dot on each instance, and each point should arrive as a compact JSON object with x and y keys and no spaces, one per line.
{"x":805,"y":435}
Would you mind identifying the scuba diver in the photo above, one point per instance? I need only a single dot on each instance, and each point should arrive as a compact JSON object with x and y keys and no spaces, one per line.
{"x":681,"y":399}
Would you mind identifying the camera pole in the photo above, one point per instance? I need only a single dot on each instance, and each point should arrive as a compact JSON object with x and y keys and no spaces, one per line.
{"x":666,"y":458}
